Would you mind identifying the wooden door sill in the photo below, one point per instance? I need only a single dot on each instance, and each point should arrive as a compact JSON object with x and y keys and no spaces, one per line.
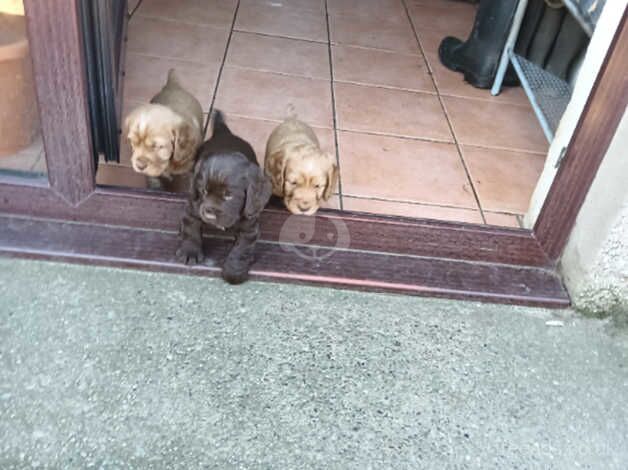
{"x":378,"y":271}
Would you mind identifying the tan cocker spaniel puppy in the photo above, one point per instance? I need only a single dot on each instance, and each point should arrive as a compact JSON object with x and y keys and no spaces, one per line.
{"x":166,"y":133}
{"x":301,"y":173}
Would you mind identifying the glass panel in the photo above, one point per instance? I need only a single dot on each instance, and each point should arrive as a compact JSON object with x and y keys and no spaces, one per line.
{"x":21,"y":146}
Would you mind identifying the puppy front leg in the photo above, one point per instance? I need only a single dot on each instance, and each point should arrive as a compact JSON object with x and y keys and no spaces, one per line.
{"x":236,"y":267}
{"x":191,"y":248}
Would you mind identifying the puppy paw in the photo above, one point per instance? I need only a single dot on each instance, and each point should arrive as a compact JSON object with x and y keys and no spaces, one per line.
{"x":190,"y":253}
{"x":235,"y":271}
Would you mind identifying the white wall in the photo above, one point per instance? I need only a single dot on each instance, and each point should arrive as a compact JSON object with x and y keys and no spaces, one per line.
{"x":595,"y":261}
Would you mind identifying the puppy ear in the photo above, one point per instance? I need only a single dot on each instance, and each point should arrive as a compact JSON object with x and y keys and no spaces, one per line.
{"x":332,"y":177}
{"x":136,"y":120}
{"x":275,"y":165}
{"x":129,"y":123}
{"x":126,"y":125}
{"x":258,"y":191}
{"x":186,"y":140}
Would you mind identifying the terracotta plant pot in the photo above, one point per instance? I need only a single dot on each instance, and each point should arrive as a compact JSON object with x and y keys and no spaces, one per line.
{"x":19,"y":117}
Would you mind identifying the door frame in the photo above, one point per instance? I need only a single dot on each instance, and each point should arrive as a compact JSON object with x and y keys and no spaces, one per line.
{"x":69,"y":217}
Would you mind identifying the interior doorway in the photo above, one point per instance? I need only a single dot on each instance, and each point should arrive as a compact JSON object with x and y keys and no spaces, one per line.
{"x":411,"y":137}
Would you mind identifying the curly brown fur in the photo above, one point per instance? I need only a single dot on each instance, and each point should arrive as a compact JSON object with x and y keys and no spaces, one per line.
{"x":229,"y":191}
{"x":302,"y":174}
{"x":166,"y":133}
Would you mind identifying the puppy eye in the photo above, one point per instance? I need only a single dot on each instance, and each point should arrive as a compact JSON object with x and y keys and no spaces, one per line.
{"x":318,"y":186}
{"x":293,"y":183}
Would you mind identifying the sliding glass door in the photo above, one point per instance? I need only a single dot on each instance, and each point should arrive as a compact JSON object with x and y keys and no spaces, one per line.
{"x":103,"y":27}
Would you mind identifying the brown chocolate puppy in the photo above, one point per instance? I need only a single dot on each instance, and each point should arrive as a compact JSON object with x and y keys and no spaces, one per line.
{"x":229,"y":191}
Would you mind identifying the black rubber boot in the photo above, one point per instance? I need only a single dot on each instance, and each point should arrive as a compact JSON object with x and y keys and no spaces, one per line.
{"x":569,"y":43}
{"x":546,"y":35}
{"x":479,"y":55}
{"x":529,"y":26}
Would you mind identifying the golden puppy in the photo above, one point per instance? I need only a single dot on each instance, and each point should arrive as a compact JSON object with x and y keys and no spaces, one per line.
{"x":301,"y":173}
{"x":166,"y":133}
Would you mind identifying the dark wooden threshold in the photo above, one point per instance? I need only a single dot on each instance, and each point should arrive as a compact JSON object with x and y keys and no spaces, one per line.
{"x":368,"y":232}
{"x":153,"y":249}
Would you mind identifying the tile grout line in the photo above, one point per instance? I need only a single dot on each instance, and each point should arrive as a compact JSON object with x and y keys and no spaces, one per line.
{"x":222,"y":66}
{"x":394,"y":136}
{"x":442,"y":103}
{"x":201,"y":63}
{"x":367,"y":48}
{"x":410,"y":202}
{"x":275,"y":72}
{"x":181,"y":21}
{"x":432,"y":204}
{"x":278,"y":36}
{"x":333,"y":105}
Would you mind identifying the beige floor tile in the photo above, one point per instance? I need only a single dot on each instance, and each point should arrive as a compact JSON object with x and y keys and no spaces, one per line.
{"x":113,"y":174}
{"x":208,"y":12}
{"x":281,"y":19}
{"x":263,"y":95}
{"x":403,"y":169}
{"x":392,"y":112}
{"x":491,"y":124}
{"x":503,"y":179}
{"x":146,"y":75}
{"x":451,"y":19}
{"x":419,"y":211}
{"x":254,"y":131}
{"x":386,"y":10}
{"x":177,"y":40}
{"x":373,"y":32}
{"x":274,"y":54}
{"x":257,"y":131}
{"x":383,"y":68}
{"x":502,"y":220}
{"x":316,"y":5}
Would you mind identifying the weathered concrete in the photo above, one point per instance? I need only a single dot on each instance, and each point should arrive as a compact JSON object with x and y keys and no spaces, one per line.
{"x":103,"y":368}
{"x":595,"y":262}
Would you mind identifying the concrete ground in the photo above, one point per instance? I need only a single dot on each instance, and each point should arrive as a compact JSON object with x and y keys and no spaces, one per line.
{"x":106,"y":368}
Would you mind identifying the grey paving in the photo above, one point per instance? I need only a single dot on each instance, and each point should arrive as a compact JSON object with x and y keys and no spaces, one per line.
{"x":104,"y":368}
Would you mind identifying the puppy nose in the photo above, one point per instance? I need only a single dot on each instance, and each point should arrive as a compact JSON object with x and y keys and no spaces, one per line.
{"x":304,"y":207}
{"x":141,"y":164}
